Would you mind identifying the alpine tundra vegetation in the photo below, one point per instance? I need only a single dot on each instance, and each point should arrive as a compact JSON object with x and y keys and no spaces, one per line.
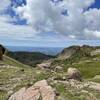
{"x":49,"y":49}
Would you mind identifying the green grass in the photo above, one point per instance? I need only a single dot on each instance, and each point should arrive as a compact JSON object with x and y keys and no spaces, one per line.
{"x":17,"y":75}
{"x":3,"y":95}
{"x":9,"y":61}
{"x":22,"y":75}
{"x":87,"y":66}
{"x":89,"y":70}
{"x":69,"y":93}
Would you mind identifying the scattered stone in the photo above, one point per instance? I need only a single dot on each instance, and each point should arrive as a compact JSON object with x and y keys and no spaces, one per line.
{"x":64,"y":78}
{"x":97,"y":51}
{"x":8,"y":66}
{"x":96,"y":59}
{"x":40,"y":90}
{"x":95,"y":86}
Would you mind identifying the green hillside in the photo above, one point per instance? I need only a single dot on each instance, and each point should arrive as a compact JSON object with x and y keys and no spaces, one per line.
{"x":29,"y":58}
{"x":81,"y":58}
{"x":14,"y":75}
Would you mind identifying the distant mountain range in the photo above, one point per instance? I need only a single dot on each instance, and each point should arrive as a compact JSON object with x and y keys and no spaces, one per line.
{"x":69,"y":55}
{"x":45,"y":50}
{"x":29,"y":58}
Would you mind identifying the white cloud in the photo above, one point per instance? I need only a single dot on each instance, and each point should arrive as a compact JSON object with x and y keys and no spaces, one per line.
{"x":92,"y":18}
{"x":37,"y":14}
{"x":45,"y":16}
{"x":4,"y":4}
{"x":89,"y":34}
{"x":14,"y":31}
{"x":9,"y":30}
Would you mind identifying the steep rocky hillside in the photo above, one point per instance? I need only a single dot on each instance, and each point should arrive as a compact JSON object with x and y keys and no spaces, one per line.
{"x":86,"y":58}
{"x":78,"y":51}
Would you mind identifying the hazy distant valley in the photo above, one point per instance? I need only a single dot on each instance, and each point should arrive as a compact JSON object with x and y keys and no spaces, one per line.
{"x":45,"y":50}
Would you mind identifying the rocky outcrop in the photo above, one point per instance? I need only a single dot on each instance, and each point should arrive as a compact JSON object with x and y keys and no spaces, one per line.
{"x":95,"y":52}
{"x":2,"y":51}
{"x":73,"y":73}
{"x":82,"y":85}
{"x":44,"y":65}
{"x":39,"y":91}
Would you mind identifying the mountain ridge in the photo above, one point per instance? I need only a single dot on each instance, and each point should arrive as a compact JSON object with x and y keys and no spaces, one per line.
{"x":70,"y":51}
{"x":29,"y":58}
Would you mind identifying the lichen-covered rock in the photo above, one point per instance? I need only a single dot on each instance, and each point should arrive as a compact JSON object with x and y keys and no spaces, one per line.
{"x":74,"y":73}
{"x":40,"y":90}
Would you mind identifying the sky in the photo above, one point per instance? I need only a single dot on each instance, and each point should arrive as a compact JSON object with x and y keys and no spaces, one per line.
{"x":49,"y":23}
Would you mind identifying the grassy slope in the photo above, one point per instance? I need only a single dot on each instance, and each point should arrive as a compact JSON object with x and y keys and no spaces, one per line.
{"x":17,"y":75}
{"x":88,"y":67}
{"x":82,"y":60}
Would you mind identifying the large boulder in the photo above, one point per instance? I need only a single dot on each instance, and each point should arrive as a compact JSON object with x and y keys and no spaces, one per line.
{"x":39,"y":91}
{"x":74,"y":73}
{"x":2,"y":51}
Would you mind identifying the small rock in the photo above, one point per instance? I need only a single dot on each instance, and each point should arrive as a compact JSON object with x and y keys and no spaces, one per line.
{"x":58,"y":68}
{"x":64,"y":78}
{"x":95,"y":86}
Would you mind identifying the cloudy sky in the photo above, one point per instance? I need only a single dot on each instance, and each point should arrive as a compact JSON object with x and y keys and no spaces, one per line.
{"x":49,"y":22}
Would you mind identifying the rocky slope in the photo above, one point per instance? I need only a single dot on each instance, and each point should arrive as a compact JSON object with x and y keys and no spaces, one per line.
{"x":76,"y":77}
{"x":14,"y":75}
{"x":81,"y":57}
{"x":79,"y":51}
{"x":59,"y":89}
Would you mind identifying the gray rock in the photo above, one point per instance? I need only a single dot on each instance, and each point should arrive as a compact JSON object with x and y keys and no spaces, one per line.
{"x":74,"y":73}
{"x":44,"y":65}
{"x":58,"y":68}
